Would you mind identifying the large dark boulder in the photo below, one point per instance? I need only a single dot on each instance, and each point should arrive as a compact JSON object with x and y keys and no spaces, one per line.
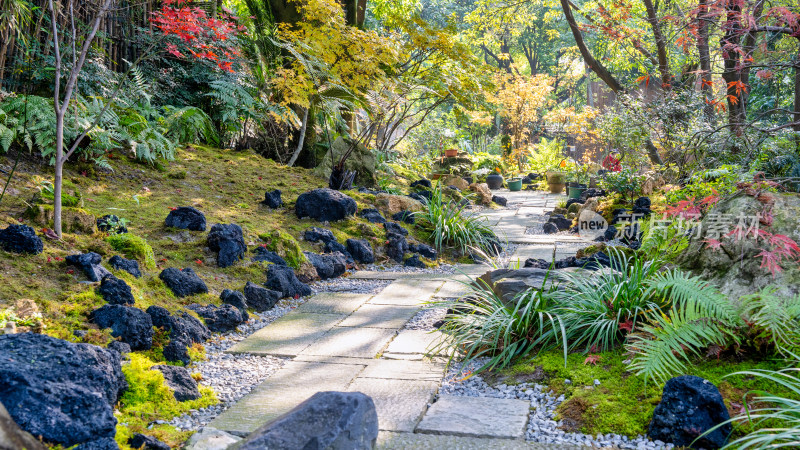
{"x":128,"y":265}
{"x":177,"y":350}
{"x":561,"y":222}
{"x":105,"y":443}
{"x":396,"y":247}
{"x":372,"y":215}
{"x":327,"y":420}
{"x":424,"y":250}
{"x":12,"y":437}
{"x":142,"y":441}
{"x":89,"y":263}
{"x":260,"y":298}
{"x":328,"y":265}
{"x":361,"y":250}
{"x":396,"y":228}
{"x":115,"y":291}
{"x":549,"y":228}
{"x":404,"y":216}
{"x":111,"y":224}
{"x":219,"y":318}
{"x":184,"y":326}
{"x":264,"y":254}
{"x":414,"y":261}
{"x":58,"y":390}
{"x":337,"y":247}
{"x":228,"y":241}
{"x":183,"y":283}
{"x":20,"y":239}
{"x":283,"y":280}
{"x":186,"y":217}
{"x":272,"y":199}
{"x":133,"y":326}
{"x":316,"y":234}
{"x":237,"y":300}
{"x":120,"y":347}
{"x":325,"y":205}
{"x":689,"y":407}
{"x":180,"y":381}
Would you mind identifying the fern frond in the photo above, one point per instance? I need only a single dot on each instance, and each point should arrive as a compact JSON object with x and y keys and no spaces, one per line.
{"x":686,"y":292}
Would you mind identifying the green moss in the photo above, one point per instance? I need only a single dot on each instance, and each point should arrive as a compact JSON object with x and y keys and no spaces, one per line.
{"x":133,"y":246}
{"x":623,"y":403}
{"x":177,"y":175}
{"x":148,"y":398}
{"x":286,"y":246}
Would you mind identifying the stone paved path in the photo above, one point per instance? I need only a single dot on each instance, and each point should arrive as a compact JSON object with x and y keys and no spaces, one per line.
{"x":357,"y":342}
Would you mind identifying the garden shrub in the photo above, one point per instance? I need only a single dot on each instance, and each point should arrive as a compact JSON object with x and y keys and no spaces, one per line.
{"x":625,"y":182}
{"x":717,"y":182}
{"x":135,"y":247}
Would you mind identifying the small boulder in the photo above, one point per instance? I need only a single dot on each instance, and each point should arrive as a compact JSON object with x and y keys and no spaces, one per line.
{"x":128,"y":265}
{"x":372,"y":215}
{"x":483,"y":192}
{"x":572,"y":201}
{"x":414,"y":261}
{"x":237,"y":300}
{"x":610,"y":233}
{"x":574,"y":208}
{"x":316,"y":234}
{"x":361,"y":250}
{"x":390,"y":204}
{"x":58,"y":390}
{"x":592,"y":192}
{"x":324,"y":205}
{"x":395,"y":228}
{"x":404,"y":216}
{"x":111,"y":224}
{"x":424,"y":250}
{"x":264,"y":254}
{"x":337,"y":247}
{"x":423,"y":197}
{"x":219,"y":318}
{"x":121,"y":347}
{"x":272,"y":199}
{"x":549,"y":228}
{"x":641,"y":207}
{"x":89,"y":263}
{"x":177,"y":350}
{"x":133,"y":326}
{"x":260,"y":298}
{"x":396,"y":247}
{"x":689,"y":407}
{"x":20,"y":239}
{"x":180,"y":381}
{"x":327,"y":420}
{"x":561,"y":222}
{"x":144,"y":442}
{"x":328,"y":265}
{"x":187,"y":218}
{"x":183,"y":326}
{"x":423,"y":183}
{"x":228,"y":241}
{"x":115,"y":291}
{"x":502,"y":201}
{"x":183,"y":283}
{"x":283,"y":280}
{"x":454,"y":180}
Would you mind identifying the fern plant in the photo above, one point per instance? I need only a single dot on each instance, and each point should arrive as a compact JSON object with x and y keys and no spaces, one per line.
{"x":190,"y":124}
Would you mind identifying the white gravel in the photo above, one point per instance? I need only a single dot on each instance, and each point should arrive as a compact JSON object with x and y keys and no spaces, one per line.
{"x":542,"y":426}
{"x":442,"y":268}
{"x":426,"y":318}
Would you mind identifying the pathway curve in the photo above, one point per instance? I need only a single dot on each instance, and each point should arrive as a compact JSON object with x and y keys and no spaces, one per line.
{"x":358,"y":342}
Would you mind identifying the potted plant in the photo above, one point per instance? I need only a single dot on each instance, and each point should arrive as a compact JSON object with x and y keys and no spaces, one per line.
{"x":556,"y":179}
{"x":515,"y":184}
{"x":495,"y":180}
{"x":451,"y":152}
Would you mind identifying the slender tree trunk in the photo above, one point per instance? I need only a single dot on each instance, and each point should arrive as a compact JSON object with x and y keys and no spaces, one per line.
{"x":797,"y":94}
{"x":706,"y":85}
{"x":661,"y":45}
{"x":302,"y":139}
{"x":731,"y":45}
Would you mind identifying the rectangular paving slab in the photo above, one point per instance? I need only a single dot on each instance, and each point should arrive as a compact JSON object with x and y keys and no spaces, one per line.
{"x":333,"y":303}
{"x":414,"y":341}
{"x":426,"y":370}
{"x":380,"y":316}
{"x":285,"y":389}
{"x":476,"y":417}
{"x":288,"y":335}
{"x":400,"y":403}
{"x":406,"y":293}
{"x":452,"y":289}
{"x":351,"y":342}
{"x":390,"y":440}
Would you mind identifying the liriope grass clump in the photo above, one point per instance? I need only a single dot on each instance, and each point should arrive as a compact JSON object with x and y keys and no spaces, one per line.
{"x":135,"y":247}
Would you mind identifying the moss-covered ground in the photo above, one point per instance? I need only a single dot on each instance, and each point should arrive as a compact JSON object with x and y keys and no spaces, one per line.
{"x":623,"y":403}
{"x":227,"y":186}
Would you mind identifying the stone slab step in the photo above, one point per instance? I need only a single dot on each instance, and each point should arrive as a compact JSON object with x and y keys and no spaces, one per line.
{"x":480,"y":417}
{"x":407,"y":293}
{"x":400,"y":403}
{"x":289,"y":335}
{"x":333,"y":303}
{"x":388,"y":440}
{"x":380,"y":316}
{"x":351,"y":342}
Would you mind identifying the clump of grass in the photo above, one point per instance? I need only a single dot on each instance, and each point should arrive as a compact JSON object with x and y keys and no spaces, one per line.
{"x":133,"y":246}
{"x":447,"y":224}
{"x":286,"y":246}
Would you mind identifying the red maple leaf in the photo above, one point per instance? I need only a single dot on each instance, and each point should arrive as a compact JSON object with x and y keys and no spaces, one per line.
{"x":627,"y":326}
{"x":592,"y":359}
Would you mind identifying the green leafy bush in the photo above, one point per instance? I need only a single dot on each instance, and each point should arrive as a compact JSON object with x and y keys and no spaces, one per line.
{"x":133,"y":246}
{"x":190,"y":125}
{"x":546,"y":155}
{"x":447,"y":225}
{"x":720,"y":181}
{"x":625,"y":182}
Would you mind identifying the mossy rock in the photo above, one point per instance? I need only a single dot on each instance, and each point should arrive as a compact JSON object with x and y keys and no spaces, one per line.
{"x":73,"y":220}
{"x":590,"y":250}
{"x":286,"y":246}
{"x":135,"y":247}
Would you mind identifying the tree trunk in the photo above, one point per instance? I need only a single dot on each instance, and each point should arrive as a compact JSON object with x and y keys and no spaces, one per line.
{"x":706,"y":86}
{"x":796,"y":126}
{"x":301,"y":140}
{"x":59,"y":174}
{"x":661,"y":45}
{"x":731,"y":44}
